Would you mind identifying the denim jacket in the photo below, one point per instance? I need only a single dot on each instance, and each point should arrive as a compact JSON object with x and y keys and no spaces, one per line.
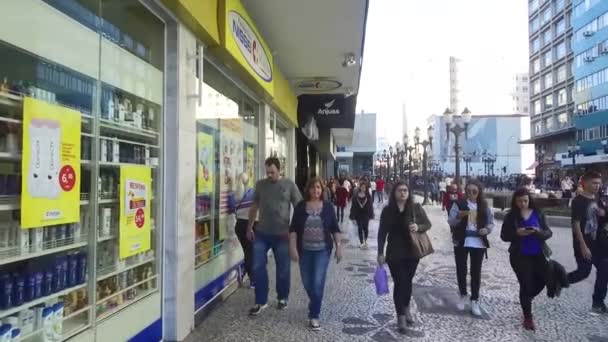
{"x":328,"y":216}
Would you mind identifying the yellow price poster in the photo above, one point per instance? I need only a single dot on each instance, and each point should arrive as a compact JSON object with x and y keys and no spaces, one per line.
{"x":206,"y":163}
{"x":51,"y":164}
{"x":134,"y":235}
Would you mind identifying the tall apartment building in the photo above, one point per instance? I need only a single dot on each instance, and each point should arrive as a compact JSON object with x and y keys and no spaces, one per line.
{"x":590,"y":47}
{"x":551,"y":82}
{"x":454,"y":85}
{"x":521,"y":93}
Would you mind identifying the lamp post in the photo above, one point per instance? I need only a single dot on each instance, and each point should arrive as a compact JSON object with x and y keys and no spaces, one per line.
{"x":540,"y":155}
{"x":397,"y":157}
{"x":457,"y":130}
{"x":574,"y":150}
{"x":488,"y":161}
{"x":425,"y":144}
{"x":402,"y":153}
{"x":467,"y":163}
{"x":385,"y":156}
{"x":410,"y":151}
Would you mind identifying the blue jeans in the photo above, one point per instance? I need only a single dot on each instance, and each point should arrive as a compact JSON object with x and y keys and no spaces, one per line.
{"x":313,"y":269}
{"x":280,"y":249}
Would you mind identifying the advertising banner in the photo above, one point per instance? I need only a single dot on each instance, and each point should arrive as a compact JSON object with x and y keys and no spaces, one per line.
{"x":50,"y":165}
{"x":206,"y":163}
{"x":134,"y":234}
{"x":250,"y":165}
{"x":231,"y":166}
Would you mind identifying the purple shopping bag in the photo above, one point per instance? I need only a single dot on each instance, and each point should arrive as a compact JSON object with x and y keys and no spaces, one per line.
{"x":381,"y":280}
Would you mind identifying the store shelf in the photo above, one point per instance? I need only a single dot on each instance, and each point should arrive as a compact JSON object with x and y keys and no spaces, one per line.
{"x":203,"y":217}
{"x":114,"y":164}
{"x":14,"y":203}
{"x":7,"y":258}
{"x":112,"y":271}
{"x":115,"y":127}
{"x":108,"y":200}
{"x":10,"y":100}
{"x":140,"y":296}
{"x":204,"y":238}
{"x":42,"y":300}
{"x":9,"y":155}
{"x":106,"y":238}
{"x":10,"y":120}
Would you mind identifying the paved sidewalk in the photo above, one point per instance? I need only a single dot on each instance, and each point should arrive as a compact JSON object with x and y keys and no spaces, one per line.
{"x":352,"y":311}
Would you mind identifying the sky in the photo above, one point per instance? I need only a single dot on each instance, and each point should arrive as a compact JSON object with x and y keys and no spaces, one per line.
{"x":406,"y":58}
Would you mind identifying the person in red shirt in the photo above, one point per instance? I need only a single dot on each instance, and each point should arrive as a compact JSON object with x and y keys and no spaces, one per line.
{"x":451,"y":196}
{"x":342,"y":195}
{"x":380,"y":189}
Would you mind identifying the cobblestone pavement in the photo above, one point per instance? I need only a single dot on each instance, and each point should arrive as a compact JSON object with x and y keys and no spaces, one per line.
{"x":352,"y":311}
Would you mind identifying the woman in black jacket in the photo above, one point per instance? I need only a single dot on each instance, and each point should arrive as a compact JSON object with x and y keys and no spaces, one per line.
{"x":525,"y":227}
{"x":361,"y":211}
{"x":401,"y":217}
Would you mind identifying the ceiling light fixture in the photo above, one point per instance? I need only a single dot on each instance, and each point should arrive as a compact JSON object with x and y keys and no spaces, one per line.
{"x":349,"y":60}
{"x":348,"y":92}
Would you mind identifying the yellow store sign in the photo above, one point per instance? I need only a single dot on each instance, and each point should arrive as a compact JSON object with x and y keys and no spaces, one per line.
{"x":50,"y":166}
{"x":242,"y":40}
{"x":134,"y":235}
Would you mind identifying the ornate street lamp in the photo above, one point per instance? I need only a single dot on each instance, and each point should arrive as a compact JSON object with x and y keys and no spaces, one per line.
{"x":425,"y":144}
{"x":457,"y":130}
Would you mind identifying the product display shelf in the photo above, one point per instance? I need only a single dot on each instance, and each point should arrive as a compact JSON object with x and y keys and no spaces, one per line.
{"x":10,"y":120}
{"x":112,"y":271}
{"x":203,"y":217}
{"x":71,"y":326}
{"x":106,"y":238}
{"x":131,"y":142}
{"x":204,"y":238}
{"x":14,"y":202}
{"x":115,"y":127}
{"x":140,"y":296}
{"x":108,"y":200}
{"x":16,"y":101}
{"x":42,"y":300}
{"x":116,"y":164}
{"x":12,"y":255}
{"x":130,"y":287}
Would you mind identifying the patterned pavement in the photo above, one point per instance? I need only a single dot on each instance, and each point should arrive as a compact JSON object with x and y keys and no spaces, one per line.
{"x":352,"y":312}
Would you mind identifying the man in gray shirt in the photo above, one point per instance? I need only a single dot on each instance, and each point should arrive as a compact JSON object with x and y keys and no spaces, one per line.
{"x":273,"y":198}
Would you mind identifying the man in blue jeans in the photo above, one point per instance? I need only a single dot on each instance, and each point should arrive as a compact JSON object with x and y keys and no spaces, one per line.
{"x":273,"y":198}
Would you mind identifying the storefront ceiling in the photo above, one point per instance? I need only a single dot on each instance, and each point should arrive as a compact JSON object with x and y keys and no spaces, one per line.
{"x":309,"y":39}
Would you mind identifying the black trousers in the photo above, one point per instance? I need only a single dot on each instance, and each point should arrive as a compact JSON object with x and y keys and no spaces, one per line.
{"x":531,"y":272}
{"x":241,"y":233}
{"x":363,"y":226}
{"x":461,"y":255}
{"x":583,"y":271}
{"x":403,"y":272}
{"x":340,"y":213}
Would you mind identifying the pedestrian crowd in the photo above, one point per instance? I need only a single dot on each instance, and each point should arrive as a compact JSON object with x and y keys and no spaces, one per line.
{"x":305,"y":227}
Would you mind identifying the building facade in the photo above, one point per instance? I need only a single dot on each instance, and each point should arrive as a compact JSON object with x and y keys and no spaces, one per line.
{"x":358,"y":158}
{"x":551,"y":81}
{"x":590,"y":47}
{"x":493,"y":136}
{"x":521,"y":94}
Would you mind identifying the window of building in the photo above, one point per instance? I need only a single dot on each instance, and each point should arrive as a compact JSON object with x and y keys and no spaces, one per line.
{"x":548,"y":101}
{"x":549,"y":124}
{"x":562,"y":120}
{"x":526,"y":109}
{"x":582,"y":7}
{"x":548,"y":80}
{"x":535,"y":65}
{"x":537,"y":107}
{"x":559,"y":5}
{"x":546,"y":36}
{"x":533,"y":5}
{"x":560,"y":50}
{"x":562,"y":97}
{"x":538,"y":128}
{"x":545,"y":16}
{"x":535,"y":45}
{"x":560,"y":27}
{"x":535,"y":87}
{"x":548,"y":58}
{"x":534,"y":25}
{"x":561,"y":74}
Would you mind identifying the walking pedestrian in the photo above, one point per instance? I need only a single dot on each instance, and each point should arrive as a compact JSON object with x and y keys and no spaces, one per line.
{"x":361,"y":211}
{"x":241,"y":209}
{"x":373,"y":186}
{"x":273,"y":198}
{"x":472,"y":221}
{"x":342,"y":194}
{"x":314,"y":231}
{"x":525,"y":227}
{"x":380,"y":189}
{"x":567,"y":186}
{"x":589,"y":241}
{"x":451,"y":196}
{"x":401,"y":217}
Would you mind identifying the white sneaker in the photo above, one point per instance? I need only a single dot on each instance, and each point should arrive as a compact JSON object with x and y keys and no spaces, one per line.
{"x":462,"y":303}
{"x":365,"y":245}
{"x":475,"y":308}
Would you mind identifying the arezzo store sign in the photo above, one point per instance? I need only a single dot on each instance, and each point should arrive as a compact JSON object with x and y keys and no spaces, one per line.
{"x":250,"y":46}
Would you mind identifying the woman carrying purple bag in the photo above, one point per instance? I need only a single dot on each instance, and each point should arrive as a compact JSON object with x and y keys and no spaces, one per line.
{"x":398,"y":220}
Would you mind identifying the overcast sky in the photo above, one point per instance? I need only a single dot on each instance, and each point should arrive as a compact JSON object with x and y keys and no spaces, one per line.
{"x":406,"y":58}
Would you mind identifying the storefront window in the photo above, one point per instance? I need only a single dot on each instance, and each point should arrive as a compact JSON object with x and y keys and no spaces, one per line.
{"x":227,"y":150}
{"x":81,"y":99}
{"x":277,"y":140}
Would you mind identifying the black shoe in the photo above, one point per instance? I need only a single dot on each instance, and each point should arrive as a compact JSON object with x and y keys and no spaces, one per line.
{"x":599,"y":309}
{"x":254,"y":311}
{"x":282,"y":305}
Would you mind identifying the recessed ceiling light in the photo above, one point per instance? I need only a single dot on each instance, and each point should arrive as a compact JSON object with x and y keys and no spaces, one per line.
{"x":349,"y":60}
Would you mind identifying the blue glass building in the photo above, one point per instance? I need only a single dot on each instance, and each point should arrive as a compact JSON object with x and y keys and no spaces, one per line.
{"x":590,"y":68}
